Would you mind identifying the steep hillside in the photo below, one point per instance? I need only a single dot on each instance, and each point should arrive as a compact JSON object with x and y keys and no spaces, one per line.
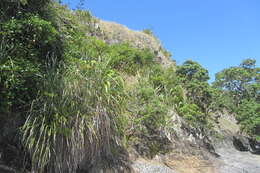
{"x":79,"y":94}
{"x":114,"y":33}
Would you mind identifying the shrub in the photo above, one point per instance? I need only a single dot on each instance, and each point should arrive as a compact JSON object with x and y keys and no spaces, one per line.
{"x":18,"y":85}
{"x":129,"y":59}
{"x":192,"y":114}
{"x":27,"y":44}
{"x":148,"y":31}
{"x":18,"y":8}
{"x":248,"y":116}
{"x":32,"y":37}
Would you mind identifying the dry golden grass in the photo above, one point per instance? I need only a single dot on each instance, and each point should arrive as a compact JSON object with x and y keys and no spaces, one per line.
{"x":119,"y":33}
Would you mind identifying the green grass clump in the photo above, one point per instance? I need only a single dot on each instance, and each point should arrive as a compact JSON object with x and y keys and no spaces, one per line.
{"x":75,"y":113}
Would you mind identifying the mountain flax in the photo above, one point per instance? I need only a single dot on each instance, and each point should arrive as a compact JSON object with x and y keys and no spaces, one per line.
{"x":70,"y":123}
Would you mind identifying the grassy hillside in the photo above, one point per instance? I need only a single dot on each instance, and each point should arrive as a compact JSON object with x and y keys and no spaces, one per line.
{"x":77,"y":92}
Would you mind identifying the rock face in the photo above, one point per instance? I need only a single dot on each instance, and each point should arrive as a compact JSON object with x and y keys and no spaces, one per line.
{"x":234,"y":149}
{"x":241,"y":143}
{"x":231,"y":154}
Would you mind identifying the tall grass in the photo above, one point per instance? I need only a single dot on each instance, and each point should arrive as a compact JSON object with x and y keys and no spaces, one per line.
{"x":74,"y":117}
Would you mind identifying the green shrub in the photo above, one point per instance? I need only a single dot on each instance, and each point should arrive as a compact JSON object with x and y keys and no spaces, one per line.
{"x":32,"y":37}
{"x":148,"y":31}
{"x":128,"y":59}
{"x":192,"y":114}
{"x":18,"y":8}
{"x":18,"y":84}
{"x":248,"y":116}
{"x":148,"y":109}
{"x":27,"y":45}
{"x":153,"y":111}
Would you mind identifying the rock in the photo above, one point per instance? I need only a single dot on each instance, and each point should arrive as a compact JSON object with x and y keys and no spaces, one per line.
{"x":6,"y":169}
{"x":142,"y":166}
{"x":241,"y":143}
{"x":234,"y":161}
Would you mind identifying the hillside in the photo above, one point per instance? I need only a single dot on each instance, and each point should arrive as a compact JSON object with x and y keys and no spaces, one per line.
{"x":79,"y":94}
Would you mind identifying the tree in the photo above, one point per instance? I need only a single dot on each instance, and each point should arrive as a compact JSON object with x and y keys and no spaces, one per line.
{"x":242,"y":85}
{"x":248,"y":116}
{"x":191,"y":70}
{"x":194,"y":79}
{"x":242,"y":82}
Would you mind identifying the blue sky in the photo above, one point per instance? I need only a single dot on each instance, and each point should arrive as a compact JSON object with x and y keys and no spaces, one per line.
{"x":216,"y":33}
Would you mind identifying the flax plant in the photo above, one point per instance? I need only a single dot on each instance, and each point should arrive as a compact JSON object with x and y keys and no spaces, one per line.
{"x":75,"y":117}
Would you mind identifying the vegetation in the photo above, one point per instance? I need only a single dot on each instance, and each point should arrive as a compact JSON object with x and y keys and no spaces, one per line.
{"x":242,"y":86}
{"x":70,"y":92}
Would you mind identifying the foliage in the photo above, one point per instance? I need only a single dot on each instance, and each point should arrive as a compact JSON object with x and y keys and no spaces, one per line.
{"x":128,"y":59}
{"x":241,"y":85}
{"x":75,"y":113}
{"x":19,"y":8}
{"x":242,"y":82}
{"x":148,"y":112}
{"x":148,"y":31}
{"x":67,"y":85}
{"x":192,"y":114}
{"x":18,"y":84}
{"x":153,"y":111}
{"x":31,"y":37}
{"x":193,"y":78}
{"x":191,"y":70}
{"x":27,"y":45}
{"x":248,"y":115}
{"x":163,"y":79}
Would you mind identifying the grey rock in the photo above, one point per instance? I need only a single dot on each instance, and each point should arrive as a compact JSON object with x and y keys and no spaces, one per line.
{"x":233,"y":161}
{"x":6,"y":169}
{"x":149,"y":167}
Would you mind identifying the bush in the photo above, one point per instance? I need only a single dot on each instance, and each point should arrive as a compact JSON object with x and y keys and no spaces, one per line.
{"x":18,"y":85}
{"x":32,"y":37}
{"x":153,"y":112}
{"x":129,"y":59}
{"x":248,"y":116}
{"x":18,"y":8}
{"x":148,"y":31}
{"x":192,"y":114}
{"x":27,"y":45}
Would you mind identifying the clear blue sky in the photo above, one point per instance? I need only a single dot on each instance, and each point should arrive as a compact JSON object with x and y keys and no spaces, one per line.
{"x":216,"y":33}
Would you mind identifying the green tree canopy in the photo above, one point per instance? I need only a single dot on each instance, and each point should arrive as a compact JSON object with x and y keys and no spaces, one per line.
{"x":241,"y":81}
{"x":241,"y":84}
{"x":191,"y":70}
